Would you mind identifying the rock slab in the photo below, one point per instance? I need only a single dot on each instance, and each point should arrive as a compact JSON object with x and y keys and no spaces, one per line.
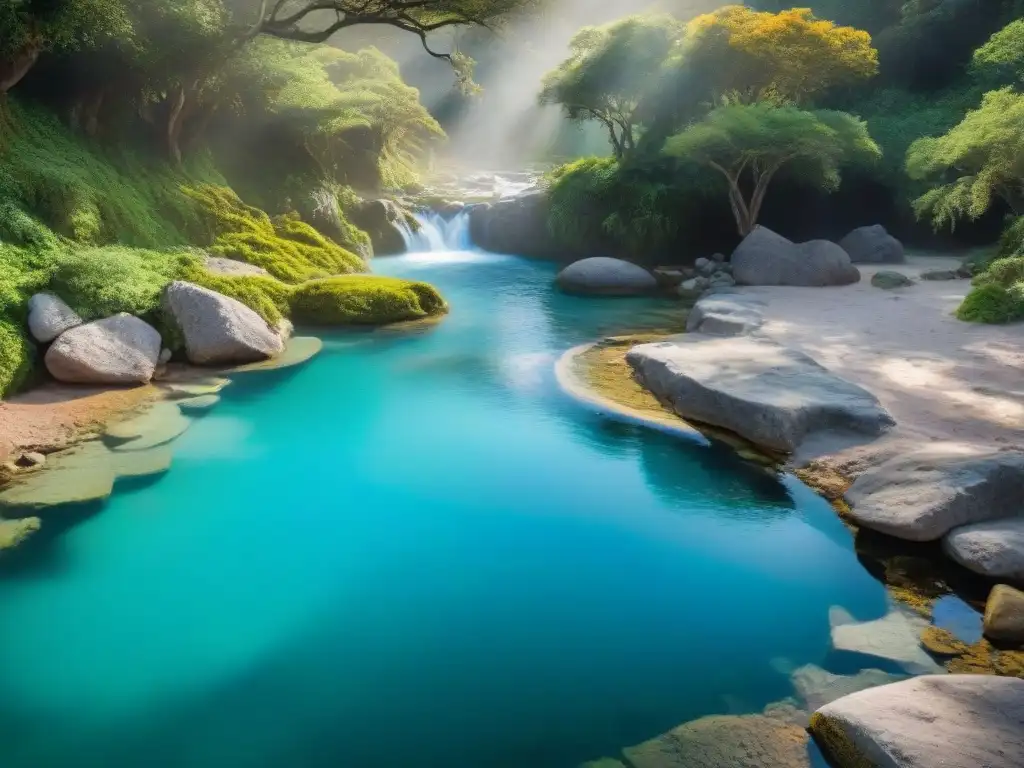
{"x":774,"y":396}
{"x":994,"y":549}
{"x":767,"y":258}
{"x":873,"y":245}
{"x":117,"y":350}
{"x":952,"y":721}
{"x":1004,"y":615}
{"x":217,"y":328}
{"x":49,"y":317}
{"x":923,"y":495}
{"x":603,"y":276}
{"x":725,"y":315}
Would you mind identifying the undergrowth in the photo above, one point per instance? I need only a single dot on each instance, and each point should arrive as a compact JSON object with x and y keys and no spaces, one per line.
{"x":998,"y":293}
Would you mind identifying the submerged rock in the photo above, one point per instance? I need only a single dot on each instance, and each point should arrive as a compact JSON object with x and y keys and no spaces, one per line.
{"x":924,"y":495}
{"x":873,"y":245}
{"x":725,"y":315}
{"x":953,"y":721}
{"x":773,"y":396}
{"x":817,"y":687}
{"x":1004,"y":615}
{"x":217,"y":328}
{"x":118,"y":350}
{"x":603,"y":276}
{"x":994,"y":549}
{"x":767,"y":258}
{"x":889,"y":280}
{"x":159,"y":424}
{"x":14,"y":533}
{"x":894,"y":637}
{"x":49,"y":317}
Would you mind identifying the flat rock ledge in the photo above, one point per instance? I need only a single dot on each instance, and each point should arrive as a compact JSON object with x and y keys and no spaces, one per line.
{"x":952,"y":721}
{"x":924,"y":495}
{"x":773,"y":396}
{"x":726,"y":315}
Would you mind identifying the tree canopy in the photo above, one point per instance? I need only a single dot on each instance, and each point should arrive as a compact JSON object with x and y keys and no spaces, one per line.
{"x":749,"y":143}
{"x":607,"y":71}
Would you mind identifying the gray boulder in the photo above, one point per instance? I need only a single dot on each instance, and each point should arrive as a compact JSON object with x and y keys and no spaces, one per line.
{"x":774,"y":396}
{"x":1004,"y":615}
{"x":117,"y":350}
{"x":219,"y":329}
{"x":888,"y":280}
{"x":517,"y":225}
{"x":952,"y":721}
{"x":923,"y":495}
{"x":767,"y":258}
{"x":725,"y":315}
{"x":873,"y":245}
{"x":49,"y":317}
{"x":994,"y":549}
{"x":382,"y":220}
{"x":603,"y":276}
{"x":940,"y":274}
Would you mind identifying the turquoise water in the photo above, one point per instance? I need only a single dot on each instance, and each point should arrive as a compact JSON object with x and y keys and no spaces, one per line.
{"x":415,"y":551}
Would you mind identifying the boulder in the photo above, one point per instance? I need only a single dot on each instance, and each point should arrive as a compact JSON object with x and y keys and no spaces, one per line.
{"x":218,"y":329}
{"x":729,"y":315}
{"x":773,"y":396}
{"x":49,"y":317}
{"x":517,"y":225}
{"x":994,"y":549}
{"x":603,"y":276}
{"x":888,"y":280}
{"x":873,"y":245}
{"x":1004,"y":615}
{"x":952,"y":721}
{"x":940,"y":274}
{"x":382,"y":220}
{"x":766,"y":258}
{"x":668,"y":277}
{"x":923,"y":495}
{"x":117,"y":350}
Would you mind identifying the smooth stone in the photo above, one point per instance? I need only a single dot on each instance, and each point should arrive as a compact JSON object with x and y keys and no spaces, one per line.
{"x":895,"y":637}
{"x":159,"y":424}
{"x":298,"y":350}
{"x":207,"y":385}
{"x":117,"y":350}
{"x":873,"y":245}
{"x":49,"y":317}
{"x":728,"y":315}
{"x":231,"y":268}
{"x":947,"y":721}
{"x":218,"y":329}
{"x":201,"y":403}
{"x":939,"y":274}
{"x":889,"y":280}
{"x":165,"y":357}
{"x":1004,"y":615}
{"x":80,"y":474}
{"x":767,"y":258}
{"x":994,"y":549}
{"x":773,"y":396}
{"x":817,"y":687}
{"x":923,"y":495}
{"x":719,"y":257}
{"x":14,"y":533}
{"x":604,"y":276}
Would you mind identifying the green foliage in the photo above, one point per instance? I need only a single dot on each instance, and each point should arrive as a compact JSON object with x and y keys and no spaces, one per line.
{"x":1012,"y":241}
{"x":16,"y":357}
{"x":757,"y":140}
{"x":1001,"y":59}
{"x":984,"y":156}
{"x":289,"y":249}
{"x":364,"y":300}
{"x":1006,"y":272}
{"x":61,"y":24}
{"x":990,"y":303}
{"x":268,"y":297}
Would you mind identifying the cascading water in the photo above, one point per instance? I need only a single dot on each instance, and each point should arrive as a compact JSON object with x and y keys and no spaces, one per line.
{"x":437,"y":233}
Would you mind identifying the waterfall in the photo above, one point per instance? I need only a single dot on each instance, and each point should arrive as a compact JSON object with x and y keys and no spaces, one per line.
{"x":437,"y":234}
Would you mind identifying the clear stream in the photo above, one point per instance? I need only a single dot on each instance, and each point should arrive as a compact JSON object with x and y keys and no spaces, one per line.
{"x":416,"y":551}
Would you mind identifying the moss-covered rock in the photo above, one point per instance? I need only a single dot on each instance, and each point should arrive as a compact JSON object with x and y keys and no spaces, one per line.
{"x":364,"y":300}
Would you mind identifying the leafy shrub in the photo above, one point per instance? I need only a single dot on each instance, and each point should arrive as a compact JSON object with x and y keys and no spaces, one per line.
{"x":991,"y":303}
{"x":16,"y":357}
{"x":364,"y":300}
{"x":1005,"y":272}
{"x":1012,"y":241}
{"x":288,"y":248}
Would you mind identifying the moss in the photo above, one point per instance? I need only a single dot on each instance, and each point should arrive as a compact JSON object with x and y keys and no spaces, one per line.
{"x":983,"y":658}
{"x":364,"y":300}
{"x":16,"y":357}
{"x":836,"y":744}
{"x":288,"y":248}
{"x":824,"y":479}
{"x":941,"y":642}
{"x":269,"y":297}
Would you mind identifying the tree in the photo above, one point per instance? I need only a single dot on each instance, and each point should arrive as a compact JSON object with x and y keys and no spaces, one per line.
{"x":607,"y":71}
{"x":978,"y":161}
{"x":749,"y":144}
{"x":1002,"y":57}
{"x":315,"y":21}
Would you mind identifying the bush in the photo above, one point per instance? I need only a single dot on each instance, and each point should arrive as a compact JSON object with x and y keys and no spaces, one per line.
{"x":991,"y":303}
{"x":288,"y":248}
{"x":16,"y":357}
{"x":1012,"y":241}
{"x":1005,"y":272}
{"x":364,"y":300}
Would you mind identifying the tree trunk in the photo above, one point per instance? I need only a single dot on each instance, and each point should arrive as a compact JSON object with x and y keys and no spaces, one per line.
{"x":14,"y":69}
{"x":90,"y":112}
{"x":176,"y":107}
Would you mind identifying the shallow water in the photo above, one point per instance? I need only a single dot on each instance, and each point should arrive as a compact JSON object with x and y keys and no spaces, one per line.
{"x":416,"y":551}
